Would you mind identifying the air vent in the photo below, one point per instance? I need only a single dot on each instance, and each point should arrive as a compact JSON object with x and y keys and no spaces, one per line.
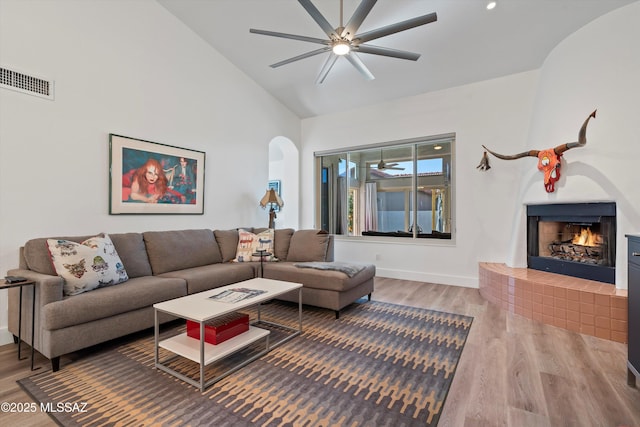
{"x":21,"y":82}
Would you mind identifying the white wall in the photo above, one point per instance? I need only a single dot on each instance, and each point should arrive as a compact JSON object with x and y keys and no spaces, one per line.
{"x":596,"y":67}
{"x":494,"y":112}
{"x":130,"y":68}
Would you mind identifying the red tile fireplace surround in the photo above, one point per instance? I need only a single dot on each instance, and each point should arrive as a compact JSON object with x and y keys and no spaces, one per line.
{"x":580,"y":305}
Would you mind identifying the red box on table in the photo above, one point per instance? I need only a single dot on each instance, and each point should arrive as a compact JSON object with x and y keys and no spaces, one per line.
{"x":221,"y":328}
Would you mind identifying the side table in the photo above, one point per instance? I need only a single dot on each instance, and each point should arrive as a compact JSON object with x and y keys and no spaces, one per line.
{"x":261,"y":253}
{"x":5,"y":285}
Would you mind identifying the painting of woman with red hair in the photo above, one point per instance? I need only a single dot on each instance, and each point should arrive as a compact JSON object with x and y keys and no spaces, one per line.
{"x":151,"y":178}
{"x":149,"y":185}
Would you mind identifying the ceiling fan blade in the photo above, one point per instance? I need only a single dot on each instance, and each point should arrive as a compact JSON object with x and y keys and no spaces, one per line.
{"x":357,"y":18}
{"x":317,"y":16}
{"x":385,"y":51}
{"x":299,"y":57}
{"x":328,"y":65}
{"x":356,"y":62}
{"x":387,"y":167}
{"x":290,"y":36}
{"x":395,"y":28}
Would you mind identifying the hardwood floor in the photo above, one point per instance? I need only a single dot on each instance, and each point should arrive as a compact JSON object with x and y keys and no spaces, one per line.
{"x":513,"y":371}
{"x":517,"y":372}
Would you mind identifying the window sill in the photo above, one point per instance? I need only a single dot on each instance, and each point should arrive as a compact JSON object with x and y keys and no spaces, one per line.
{"x":432,"y":235}
{"x":394,"y":240}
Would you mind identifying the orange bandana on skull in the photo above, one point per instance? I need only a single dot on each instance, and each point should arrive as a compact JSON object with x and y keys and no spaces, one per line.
{"x":549,"y":163}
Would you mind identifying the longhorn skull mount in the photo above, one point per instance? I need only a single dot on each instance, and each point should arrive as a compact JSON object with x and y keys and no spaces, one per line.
{"x":549,"y":161}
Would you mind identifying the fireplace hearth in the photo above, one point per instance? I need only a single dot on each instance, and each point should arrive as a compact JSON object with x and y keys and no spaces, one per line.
{"x":574,"y":239}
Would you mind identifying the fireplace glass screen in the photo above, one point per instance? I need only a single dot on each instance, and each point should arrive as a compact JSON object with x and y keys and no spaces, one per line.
{"x":572,"y":242}
{"x":573,"y":239}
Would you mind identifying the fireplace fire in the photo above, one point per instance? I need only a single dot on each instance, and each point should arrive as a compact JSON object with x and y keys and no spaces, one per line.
{"x":585,"y":246}
{"x":587,"y":238}
{"x":573,"y":239}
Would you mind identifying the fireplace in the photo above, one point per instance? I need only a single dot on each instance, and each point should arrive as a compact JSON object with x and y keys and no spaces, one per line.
{"x":574,"y":239}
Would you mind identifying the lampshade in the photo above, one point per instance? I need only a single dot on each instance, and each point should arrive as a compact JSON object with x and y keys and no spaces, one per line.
{"x":271,"y":197}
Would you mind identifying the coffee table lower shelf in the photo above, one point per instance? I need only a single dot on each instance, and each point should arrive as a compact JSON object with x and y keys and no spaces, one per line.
{"x":200,"y":308}
{"x":183,"y":345}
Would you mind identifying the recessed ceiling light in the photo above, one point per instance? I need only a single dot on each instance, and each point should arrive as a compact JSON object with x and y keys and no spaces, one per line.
{"x":491,"y":5}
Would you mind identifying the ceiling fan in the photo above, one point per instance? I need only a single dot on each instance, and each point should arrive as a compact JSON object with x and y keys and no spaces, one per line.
{"x":345,"y":41}
{"x":382,"y":165}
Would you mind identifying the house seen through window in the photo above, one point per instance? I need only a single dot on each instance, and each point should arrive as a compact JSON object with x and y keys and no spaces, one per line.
{"x":400,"y":189}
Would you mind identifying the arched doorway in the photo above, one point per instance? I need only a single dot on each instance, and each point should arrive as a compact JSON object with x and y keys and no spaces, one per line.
{"x":284,"y":167}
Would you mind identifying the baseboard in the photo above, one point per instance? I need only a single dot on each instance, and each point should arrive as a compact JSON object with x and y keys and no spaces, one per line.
{"x":443,"y":279}
{"x":6,"y":337}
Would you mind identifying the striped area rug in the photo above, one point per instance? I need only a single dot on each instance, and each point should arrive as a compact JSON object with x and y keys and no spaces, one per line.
{"x":380,"y":364}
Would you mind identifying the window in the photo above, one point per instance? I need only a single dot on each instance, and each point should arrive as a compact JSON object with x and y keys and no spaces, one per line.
{"x":400,"y":189}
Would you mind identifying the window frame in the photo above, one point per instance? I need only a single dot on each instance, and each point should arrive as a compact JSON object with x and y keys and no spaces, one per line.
{"x":449,"y":184}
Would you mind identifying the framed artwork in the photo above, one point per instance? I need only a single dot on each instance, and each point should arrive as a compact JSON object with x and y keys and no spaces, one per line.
{"x":151,"y":178}
{"x":275,"y":184}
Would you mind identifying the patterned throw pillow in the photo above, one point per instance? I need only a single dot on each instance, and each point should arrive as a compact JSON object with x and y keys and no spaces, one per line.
{"x":88,"y":265}
{"x":249,"y":243}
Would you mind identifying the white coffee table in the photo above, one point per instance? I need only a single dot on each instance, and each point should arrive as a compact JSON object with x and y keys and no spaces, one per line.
{"x":200,"y":308}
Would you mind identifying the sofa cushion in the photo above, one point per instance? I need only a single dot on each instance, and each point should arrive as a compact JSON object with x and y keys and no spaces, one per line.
{"x":88,"y":265}
{"x":213,"y":276}
{"x":36,"y":253}
{"x":107,"y":302}
{"x":319,"y":279}
{"x":177,"y":250}
{"x":308,"y":245}
{"x":130,"y":247}
{"x":281,"y":241}
{"x":228,"y":243}
{"x":249,"y":243}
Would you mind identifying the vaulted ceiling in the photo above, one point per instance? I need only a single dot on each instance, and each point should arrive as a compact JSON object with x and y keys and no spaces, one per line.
{"x":467,"y":44}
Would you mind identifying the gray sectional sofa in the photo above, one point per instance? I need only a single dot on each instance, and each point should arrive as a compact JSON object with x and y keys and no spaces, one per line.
{"x":162,"y":265}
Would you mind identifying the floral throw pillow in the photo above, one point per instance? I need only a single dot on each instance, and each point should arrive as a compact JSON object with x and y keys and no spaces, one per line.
{"x":88,"y":265}
{"x":250,"y":243}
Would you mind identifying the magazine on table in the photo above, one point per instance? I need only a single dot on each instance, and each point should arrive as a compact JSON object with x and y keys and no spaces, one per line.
{"x":236,"y":294}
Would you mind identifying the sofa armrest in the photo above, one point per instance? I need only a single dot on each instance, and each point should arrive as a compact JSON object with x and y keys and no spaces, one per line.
{"x":49,"y":287}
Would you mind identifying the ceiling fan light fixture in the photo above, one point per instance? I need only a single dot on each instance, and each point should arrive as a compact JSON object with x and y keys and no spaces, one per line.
{"x":341,"y":48}
{"x":345,"y":38}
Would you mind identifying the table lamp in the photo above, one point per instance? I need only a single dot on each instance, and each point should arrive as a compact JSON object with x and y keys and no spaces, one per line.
{"x":272,"y":199}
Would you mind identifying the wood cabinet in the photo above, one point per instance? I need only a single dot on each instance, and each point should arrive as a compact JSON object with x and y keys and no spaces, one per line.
{"x":633,"y":283}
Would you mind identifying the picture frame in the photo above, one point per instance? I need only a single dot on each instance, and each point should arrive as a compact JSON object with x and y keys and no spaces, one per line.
{"x":136,"y":187}
{"x":275,"y":184}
